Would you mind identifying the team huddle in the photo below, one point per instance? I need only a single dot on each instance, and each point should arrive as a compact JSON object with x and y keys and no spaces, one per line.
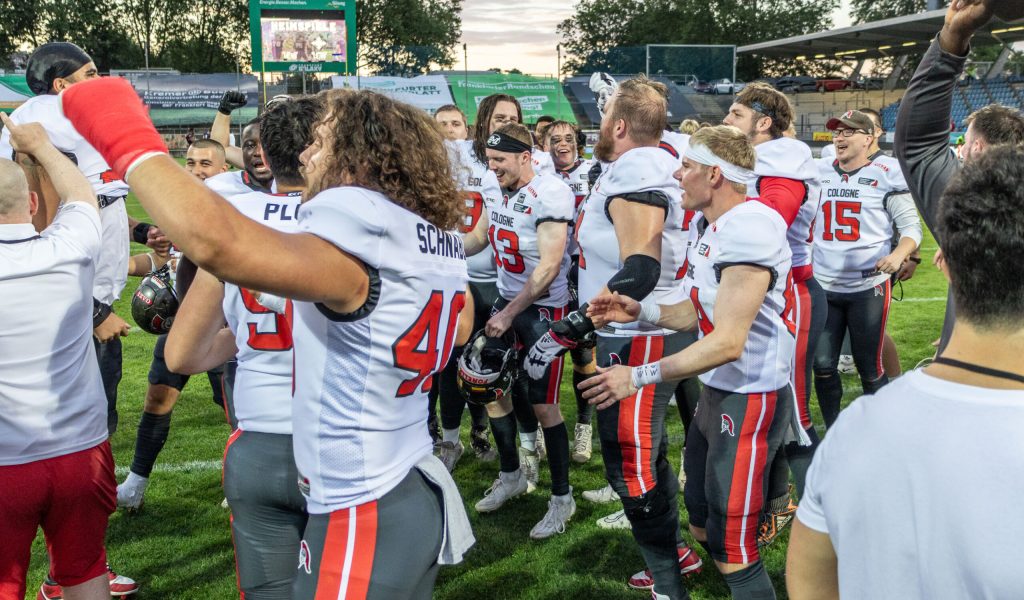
{"x":722,"y":269}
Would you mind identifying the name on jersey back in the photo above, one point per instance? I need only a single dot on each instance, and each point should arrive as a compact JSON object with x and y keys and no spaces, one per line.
{"x":438,"y":242}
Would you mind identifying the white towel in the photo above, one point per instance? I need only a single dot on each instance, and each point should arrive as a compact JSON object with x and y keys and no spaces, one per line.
{"x":457,"y":535}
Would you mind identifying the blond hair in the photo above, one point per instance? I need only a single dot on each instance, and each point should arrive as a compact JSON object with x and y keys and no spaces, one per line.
{"x":689,"y":126}
{"x":643,"y":104}
{"x":729,"y":144}
{"x":516,"y":131}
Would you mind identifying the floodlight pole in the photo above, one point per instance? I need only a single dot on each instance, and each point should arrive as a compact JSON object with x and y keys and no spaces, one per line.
{"x":647,"y":63}
{"x":465,"y":76}
{"x":558,"y":79}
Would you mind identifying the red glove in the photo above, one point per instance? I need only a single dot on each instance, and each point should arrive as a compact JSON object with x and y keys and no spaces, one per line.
{"x":111,"y":116}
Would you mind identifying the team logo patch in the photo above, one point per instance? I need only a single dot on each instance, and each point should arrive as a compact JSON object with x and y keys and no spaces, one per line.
{"x":704,"y":250}
{"x":613,"y":359}
{"x":494,"y":140}
{"x":845,"y":178}
{"x":545,"y":314}
{"x":728,"y":426}
{"x":304,"y":557}
{"x":868,"y":181}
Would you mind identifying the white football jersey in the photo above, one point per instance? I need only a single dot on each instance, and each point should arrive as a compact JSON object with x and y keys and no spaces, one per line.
{"x":542,"y":163}
{"x":263,"y":381}
{"x":577,"y":177}
{"x":513,"y":235}
{"x":648,"y":169}
{"x":748,"y":234}
{"x":233,"y":183}
{"x":478,"y":183}
{"x":46,"y":111}
{"x":853,"y":228}
{"x":676,"y":144}
{"x":51,"y":395}
{"x":791,"y":159}
{"x":361,"y":380}
{"x":112,"y":266}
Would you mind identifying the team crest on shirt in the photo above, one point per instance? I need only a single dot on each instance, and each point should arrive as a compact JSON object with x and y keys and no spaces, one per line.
{"x":846,"y":178}
{"x":728,"y":426}
{"x":704,"y":250}
{"x":304,"y":557}
{"x":868,"y":181}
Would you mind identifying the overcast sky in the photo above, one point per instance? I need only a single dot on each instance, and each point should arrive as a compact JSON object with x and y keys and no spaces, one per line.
{"x":504,"y":34}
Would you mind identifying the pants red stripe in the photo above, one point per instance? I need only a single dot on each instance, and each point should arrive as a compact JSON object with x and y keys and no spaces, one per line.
{"x":803,"y":332}
{"x":231,"y":440}
{"x":746,"y":492}
{"x":234,"y":549}
{"x":555,"y":376}
{"x":635,"y":439}
{"x":885,"y":317}
{"x":346,"y":564}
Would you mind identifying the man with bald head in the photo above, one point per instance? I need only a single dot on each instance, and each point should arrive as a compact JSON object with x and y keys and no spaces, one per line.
{"x":53,"y":410}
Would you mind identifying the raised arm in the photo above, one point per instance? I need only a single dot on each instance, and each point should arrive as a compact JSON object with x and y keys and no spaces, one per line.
{"x":220,"y":131}
{"x":183,"y":207}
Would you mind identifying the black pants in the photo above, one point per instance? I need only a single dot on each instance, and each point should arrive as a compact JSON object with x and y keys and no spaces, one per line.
{"x":864,"y":315}
{"x":109,"y":357}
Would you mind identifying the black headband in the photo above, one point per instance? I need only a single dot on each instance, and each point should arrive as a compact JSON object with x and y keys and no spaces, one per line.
{"x":764,"y":110}
{"x":505,"y":143}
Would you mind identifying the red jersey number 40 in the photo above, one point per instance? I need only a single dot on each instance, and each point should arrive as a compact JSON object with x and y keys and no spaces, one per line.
{"x":417,"y":350}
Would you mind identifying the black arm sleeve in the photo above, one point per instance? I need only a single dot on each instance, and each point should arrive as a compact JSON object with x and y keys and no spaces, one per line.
{"x":100,"y":312}
{"x":922,"y":130}
{"x":637,"y":278}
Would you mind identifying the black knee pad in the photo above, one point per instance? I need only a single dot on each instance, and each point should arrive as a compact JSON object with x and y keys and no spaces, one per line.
{"x":651,"y":505}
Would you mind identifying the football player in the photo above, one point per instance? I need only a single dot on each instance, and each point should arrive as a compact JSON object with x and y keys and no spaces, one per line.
{"x":575,"y":171}
{"x":53,"y":68}
{"x":453,"y":121}
{"x":738,"y":295}
{"x":267,"y":509}
{"x":205,"y":160}
{"x":862,"y":200}
{"x":255,"y":174}
{"x":493,"y":112}
{"x":528,"y":230}
{"x":786,"y":179}
{"x":631,"y":241}
{"x":378,"y":214}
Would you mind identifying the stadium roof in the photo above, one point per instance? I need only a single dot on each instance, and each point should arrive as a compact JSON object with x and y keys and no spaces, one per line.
{"x":888,"y":37}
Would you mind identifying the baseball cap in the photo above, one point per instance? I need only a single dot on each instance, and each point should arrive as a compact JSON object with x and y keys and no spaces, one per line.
{"x":854,"y":119}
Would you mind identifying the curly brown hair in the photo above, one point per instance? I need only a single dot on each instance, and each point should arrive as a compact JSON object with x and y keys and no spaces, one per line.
{"x":374,"y":142}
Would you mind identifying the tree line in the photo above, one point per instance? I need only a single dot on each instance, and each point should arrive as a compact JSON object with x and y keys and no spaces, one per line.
{"x":410,"y":37}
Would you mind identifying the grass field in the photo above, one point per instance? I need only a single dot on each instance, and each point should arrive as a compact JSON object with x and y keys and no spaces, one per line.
{"x":179,"y":546}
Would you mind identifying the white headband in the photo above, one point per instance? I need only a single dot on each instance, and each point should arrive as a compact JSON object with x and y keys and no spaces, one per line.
{"x":703,"y":155}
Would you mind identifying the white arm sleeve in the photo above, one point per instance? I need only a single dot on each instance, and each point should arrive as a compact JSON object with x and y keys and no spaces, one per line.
{"x":904,"y":216}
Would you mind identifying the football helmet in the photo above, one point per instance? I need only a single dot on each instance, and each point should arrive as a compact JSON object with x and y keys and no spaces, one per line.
{"x":154,"y":302}
{"x":487,"y":368}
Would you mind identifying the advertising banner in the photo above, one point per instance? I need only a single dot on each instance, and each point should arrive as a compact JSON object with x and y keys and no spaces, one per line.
{"x":428,"y":92}
{"x":193,"y":91}
{"x":538,"y":96}
{"x":303,"y":36}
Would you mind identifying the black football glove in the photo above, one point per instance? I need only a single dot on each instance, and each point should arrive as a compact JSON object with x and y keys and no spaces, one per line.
{"x":230,"y":101}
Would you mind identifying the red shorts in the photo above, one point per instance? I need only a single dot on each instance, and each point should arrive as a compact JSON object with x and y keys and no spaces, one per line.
{"x":70,"y":497}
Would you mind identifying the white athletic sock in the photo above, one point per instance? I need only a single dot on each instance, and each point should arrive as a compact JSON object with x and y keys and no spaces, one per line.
{"x":450,"y":435}
{"x":137,"y":481}
{"x":528,"y":441}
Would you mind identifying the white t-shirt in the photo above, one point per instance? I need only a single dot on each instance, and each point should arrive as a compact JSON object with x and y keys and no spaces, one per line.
{"x":919,"y":488}
{"x":748,"y":234}
{"x":361,"y":381}
{"x":512,"y":231}
{"x":263,"y":382}
{"x":51,"y":396}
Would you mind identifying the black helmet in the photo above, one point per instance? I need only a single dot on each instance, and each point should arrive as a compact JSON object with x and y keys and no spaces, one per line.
{"x":487,"y":368}
{"x":154,"y":303}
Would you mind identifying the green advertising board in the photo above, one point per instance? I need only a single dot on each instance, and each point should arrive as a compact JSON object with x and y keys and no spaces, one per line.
{"x":303,"y":36}
{"x":538,"y":96}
